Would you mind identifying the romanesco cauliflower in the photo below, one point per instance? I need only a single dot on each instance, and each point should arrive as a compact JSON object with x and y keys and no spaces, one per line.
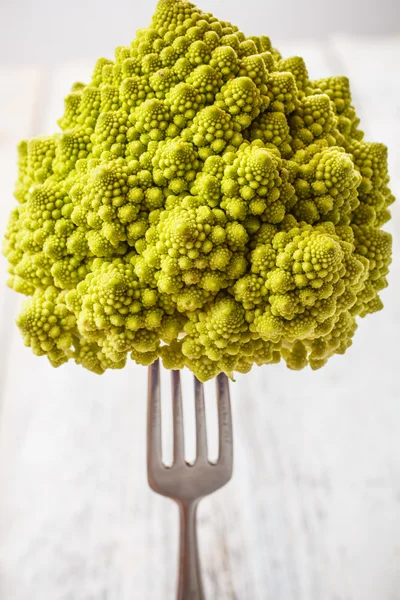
{"x":204,"y":202}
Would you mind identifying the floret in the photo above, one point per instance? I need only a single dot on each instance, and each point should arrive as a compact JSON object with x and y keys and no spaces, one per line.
{"x":205,"y":203}
{"x":282,"y":92}
{"x":212,"y":131}
{"x":313,"y":120}
{"x":184,"y":101}
{"x":226,"y":61}
{"x":47,"y":326}
{"x":272,"y":128}
{"x":241,"y":98}
{"x":256,"y":184}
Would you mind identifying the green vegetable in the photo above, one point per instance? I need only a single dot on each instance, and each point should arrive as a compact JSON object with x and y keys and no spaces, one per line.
{"x":205,"y":202}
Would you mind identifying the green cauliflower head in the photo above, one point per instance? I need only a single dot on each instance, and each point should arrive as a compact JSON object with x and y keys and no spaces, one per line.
{"x":204,"y":202}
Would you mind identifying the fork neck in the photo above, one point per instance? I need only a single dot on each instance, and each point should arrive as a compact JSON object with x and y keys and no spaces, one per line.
{"x":189,"y":579}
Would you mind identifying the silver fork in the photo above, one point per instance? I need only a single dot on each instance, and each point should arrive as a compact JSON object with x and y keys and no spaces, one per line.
{"x":184,"y":483}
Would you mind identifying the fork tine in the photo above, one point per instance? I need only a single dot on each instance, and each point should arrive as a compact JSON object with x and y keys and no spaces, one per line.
{"x":179,"y":446}
{"x":201,"y":431}
{"x":154,"y":447}
{"x":224,"y":423}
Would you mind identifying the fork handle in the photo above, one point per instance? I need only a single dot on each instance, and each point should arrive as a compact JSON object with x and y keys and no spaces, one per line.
{"x":189,"y":579}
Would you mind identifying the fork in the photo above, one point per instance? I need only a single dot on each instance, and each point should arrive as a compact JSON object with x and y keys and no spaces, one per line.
{"x":188,"y":484}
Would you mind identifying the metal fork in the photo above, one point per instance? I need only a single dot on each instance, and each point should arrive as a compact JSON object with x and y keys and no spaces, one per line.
{"x":188,"y":484}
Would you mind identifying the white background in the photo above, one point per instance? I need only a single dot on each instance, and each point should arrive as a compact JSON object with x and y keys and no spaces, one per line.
{"x":313,"y":511}
{"x":50,"y":31}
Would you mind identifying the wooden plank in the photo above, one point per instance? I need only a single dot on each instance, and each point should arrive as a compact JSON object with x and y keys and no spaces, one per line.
{"x":19,"y":102}
{"x":20,"y":110}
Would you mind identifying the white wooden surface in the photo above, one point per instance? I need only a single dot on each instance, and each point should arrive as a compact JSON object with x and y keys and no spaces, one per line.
{"x":313,"y":511}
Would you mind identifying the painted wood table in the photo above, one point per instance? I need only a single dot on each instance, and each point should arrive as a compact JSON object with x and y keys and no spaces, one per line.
{"x":313,"y":511}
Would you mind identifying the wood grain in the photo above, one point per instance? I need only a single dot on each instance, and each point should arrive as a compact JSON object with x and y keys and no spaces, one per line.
{"x":313,"y":511}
